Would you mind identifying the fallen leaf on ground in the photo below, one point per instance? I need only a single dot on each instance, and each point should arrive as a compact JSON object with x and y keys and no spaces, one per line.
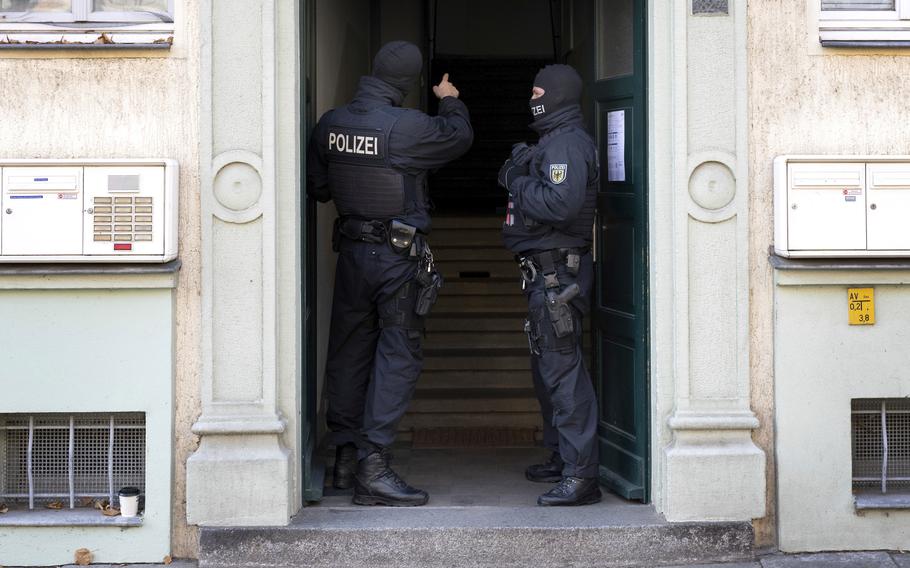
{"x":3,"y":509}
{"x":110,"y":511}
{"x":86,"y":502}
{"x":167,"y":560}
{"x":83,"y":557}
{"x":100,"y":505}
{"x":55,"y":505}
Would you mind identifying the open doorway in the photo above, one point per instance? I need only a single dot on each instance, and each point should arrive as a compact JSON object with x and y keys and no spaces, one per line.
{"x":474,"y":422}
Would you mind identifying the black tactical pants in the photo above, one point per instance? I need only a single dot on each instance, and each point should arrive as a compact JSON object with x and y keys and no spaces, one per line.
{"x":375,"y":354}
{"x":561,"y":379}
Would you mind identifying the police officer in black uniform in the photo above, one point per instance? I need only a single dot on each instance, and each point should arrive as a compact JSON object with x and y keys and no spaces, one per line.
{"x":371,"y":158}
{"x":552,"y":192}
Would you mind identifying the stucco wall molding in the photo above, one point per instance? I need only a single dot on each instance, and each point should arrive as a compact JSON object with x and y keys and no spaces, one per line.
{"x":237,"y":186}
{"x":703,"y":418}
{"x":241,"y":474}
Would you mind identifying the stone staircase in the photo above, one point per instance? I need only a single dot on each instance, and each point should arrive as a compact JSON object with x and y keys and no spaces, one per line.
{"x":476,"y":365}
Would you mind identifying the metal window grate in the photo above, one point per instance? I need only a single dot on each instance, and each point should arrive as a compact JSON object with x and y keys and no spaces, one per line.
{"x":66,"y":457}
{"x":710,"y":7}
{"x":881,"y":444}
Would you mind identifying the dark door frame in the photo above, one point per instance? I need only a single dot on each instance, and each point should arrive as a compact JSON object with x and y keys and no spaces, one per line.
{"x":621,"y":312}
{"x":616,"y":203}
{"x":312,"y":470}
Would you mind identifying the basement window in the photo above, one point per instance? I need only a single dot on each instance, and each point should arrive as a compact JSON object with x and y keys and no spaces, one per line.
{"x":881,"y":452}
{"x":60,"y":465}
{"x":864,"y":23}
{"x":33,"y":24}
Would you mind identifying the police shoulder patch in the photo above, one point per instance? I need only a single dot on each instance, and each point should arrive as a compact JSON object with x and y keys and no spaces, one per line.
{"x":558,"y":173}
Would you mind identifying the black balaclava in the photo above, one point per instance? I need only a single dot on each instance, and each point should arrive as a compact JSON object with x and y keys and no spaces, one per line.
{"x":398,"y":63}
{"x":562,"y":89}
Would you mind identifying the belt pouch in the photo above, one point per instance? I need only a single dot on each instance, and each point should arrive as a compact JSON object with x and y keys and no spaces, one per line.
{"x":401,"y":236}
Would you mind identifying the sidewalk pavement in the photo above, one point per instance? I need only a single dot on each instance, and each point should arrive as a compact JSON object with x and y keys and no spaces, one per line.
{"x":820,"y":560}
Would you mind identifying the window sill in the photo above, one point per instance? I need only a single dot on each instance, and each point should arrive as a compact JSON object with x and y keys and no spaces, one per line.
{"x":875,"y":501}
{"x":81,"y":517}
{"x":98,"y":40}
{"x":864,"y":34}
{"x":96,"y":36}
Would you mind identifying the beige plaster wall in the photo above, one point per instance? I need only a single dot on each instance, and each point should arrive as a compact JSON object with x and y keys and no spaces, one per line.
{"x":807,"y":100}
{"x":119,"y":104}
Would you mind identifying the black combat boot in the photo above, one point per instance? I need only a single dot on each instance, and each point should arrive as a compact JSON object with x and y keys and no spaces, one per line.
{"x":345,"y":466}
{"x":572,"y":491}
{"x":377,"y":484}
{"x":547,"y":472}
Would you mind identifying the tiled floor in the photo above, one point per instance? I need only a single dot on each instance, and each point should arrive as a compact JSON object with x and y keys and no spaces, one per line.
{"x":465,"y":477}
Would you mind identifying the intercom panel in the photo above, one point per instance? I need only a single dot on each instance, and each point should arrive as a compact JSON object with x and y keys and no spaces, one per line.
{"x":88,"y":211}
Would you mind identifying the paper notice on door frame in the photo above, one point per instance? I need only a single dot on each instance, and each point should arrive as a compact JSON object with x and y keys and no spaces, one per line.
{"x":616,"y":145}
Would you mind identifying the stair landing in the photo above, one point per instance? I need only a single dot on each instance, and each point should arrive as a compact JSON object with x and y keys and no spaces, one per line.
{"x":482,"y":512}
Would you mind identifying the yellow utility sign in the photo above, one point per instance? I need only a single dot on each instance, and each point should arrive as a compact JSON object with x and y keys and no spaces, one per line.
{"x":861,"y":306}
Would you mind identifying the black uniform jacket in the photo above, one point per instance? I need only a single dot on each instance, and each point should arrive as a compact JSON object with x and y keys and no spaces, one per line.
{"x":554,"y":204}
{"x":418,"y":142}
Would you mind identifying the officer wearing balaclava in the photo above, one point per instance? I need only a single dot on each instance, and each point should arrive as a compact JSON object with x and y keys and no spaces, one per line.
{"x":371,"y":158}
{"x":552,"y":193}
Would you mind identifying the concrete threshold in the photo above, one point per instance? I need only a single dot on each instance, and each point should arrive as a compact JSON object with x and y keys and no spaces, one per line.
{"x":614,"y":533}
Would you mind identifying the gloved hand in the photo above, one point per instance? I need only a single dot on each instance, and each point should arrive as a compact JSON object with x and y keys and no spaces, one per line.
{"x":521,"y":153}
{"x":511,"y":170}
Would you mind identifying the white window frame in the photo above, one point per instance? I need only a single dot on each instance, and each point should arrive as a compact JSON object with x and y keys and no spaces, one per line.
{"x":865,"y":28}
{"x":85,"y":27}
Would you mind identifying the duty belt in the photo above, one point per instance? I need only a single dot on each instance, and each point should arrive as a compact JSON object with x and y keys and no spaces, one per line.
{"x":361,"y":230}
{"x":545,"y":263}
{"x":403,"y":238}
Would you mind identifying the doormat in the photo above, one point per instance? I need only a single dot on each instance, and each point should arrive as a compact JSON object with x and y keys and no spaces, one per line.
{"x":434,"y":438}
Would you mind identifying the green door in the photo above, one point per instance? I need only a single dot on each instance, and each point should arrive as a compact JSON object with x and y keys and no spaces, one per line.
{"x":620,"y":321}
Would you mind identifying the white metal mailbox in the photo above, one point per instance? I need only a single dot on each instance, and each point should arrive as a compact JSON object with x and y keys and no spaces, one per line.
{"x":847,"y":206}
{"x":88,"y":210}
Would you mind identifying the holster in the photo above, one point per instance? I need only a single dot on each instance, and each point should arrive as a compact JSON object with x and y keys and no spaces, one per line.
{"x":429,"y":281}
{"x":561,"y":312}
{"x":427,"y":295}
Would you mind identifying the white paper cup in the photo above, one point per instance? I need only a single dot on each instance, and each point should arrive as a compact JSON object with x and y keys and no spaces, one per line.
{"x":129,"y":502}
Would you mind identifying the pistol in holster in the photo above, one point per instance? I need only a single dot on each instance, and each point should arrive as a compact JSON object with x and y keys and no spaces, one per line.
{"x":429,"y":281}
{"x":561,"y":312}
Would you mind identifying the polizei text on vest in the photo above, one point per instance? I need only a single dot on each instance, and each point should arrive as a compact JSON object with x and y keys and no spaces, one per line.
{"x":353,"y":144}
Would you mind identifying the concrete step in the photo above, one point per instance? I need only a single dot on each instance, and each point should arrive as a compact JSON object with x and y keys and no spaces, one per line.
{"x":451,"y":252}
{"x":468,"y":237}
{"x":465,"y":360}
{"x":439,"y":321}
{"x":465,"y":223}
{"x":482,"y":341}
{"x":611,"y":534}
{"x":430,"y":380}
{"x":487,"y":303}
{"x":502,"y":419}
{"x":465,"y":401}
{"x":482,"y":287}
{"x":494,"y":268}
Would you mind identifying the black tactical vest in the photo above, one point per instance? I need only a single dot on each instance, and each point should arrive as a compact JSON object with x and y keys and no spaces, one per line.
{"x":362,"y":181}
{"x":582,"y":226}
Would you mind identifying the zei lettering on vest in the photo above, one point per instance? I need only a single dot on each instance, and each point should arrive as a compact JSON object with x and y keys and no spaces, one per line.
{"x":538,"y":110}
{"x":354,"y":144}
